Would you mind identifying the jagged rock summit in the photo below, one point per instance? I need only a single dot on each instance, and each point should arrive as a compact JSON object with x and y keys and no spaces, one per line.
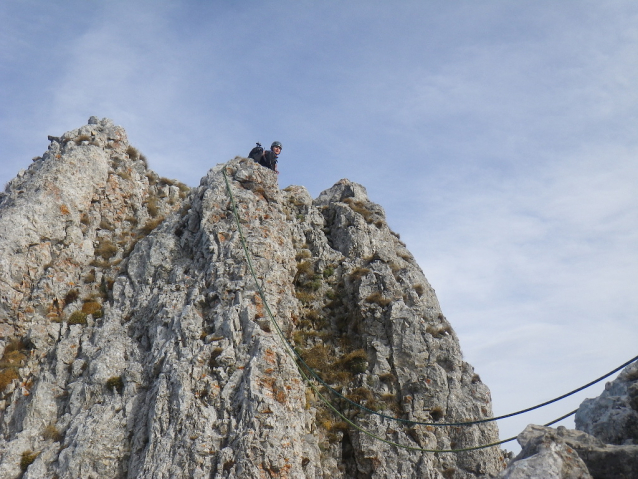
{"x":135,"y":342}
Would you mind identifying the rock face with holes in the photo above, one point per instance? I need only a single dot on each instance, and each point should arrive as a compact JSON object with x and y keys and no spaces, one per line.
{"x":136,"y":347}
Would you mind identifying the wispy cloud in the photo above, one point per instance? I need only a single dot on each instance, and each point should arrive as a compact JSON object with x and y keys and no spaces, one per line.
{"x":500,"y":140}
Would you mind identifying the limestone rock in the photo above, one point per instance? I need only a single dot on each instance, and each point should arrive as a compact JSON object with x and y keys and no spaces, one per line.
{"x":613,"y":416}
{"x":546,"y":455}
{"x":570,"y":454}
{"x":136,"y":342}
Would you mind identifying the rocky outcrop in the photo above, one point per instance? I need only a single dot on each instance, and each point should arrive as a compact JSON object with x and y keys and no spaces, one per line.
{"x":613,"y":416}
{"x":570,"y":454}
{"x":135,"y":341}
{"x":604,"y":447}
{"x":66,"y":226}
{"x":546,"y":453}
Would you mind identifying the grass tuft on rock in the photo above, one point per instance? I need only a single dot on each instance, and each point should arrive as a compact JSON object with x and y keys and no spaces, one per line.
{"x":115,"y":383}
{"x":359,"y":273}
{"x":27,"y":458}
{"x":106,"y":249}
{"x":71,"y":296}
{"x":378,"y":298}
{"x":78,"y":317}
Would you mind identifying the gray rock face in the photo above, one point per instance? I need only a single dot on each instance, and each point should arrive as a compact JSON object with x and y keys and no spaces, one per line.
{"x":548,"y":454}
{"x":569,"y":454}
{"x":136,"y":347}
{"x":604,"y":447}
{"x":613,"y":416}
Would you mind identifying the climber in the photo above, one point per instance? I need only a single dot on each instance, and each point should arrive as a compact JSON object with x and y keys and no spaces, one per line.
{"x":267,"y":158}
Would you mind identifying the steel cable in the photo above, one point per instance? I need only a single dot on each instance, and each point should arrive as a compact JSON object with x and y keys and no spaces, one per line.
{"x":296,"y":357}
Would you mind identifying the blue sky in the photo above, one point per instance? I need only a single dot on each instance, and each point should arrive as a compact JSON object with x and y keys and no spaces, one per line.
{"x":500,"y":137}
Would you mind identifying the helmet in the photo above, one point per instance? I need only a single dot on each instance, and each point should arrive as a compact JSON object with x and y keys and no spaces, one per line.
{"x":276,"y":143}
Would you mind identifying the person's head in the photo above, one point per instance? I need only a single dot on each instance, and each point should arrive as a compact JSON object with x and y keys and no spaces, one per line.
{"x":276,"y":147}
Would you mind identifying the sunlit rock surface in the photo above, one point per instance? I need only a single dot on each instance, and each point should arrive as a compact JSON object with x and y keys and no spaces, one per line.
{"x":135,"y":342}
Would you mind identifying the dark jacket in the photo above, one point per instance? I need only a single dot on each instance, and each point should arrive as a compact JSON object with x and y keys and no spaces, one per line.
{"x":269,"y":160}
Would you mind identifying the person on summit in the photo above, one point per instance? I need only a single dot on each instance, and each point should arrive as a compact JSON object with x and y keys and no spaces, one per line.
{"x":267,"y":158}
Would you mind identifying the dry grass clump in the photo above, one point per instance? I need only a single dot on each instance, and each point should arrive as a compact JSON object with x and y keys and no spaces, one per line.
{"x":305,"y":267}
{"x":105,"y":225}
{"x":378,"y":298}
{"x":303,"y":254}
{"x":360,"y":207}
{"x":28,"y":457}
{"x":100,"y":263}
{"x":90,"y":277}
{"x":78,"y":317}
{"x":115,"y":383}
{"x":339,"y":426}
{"x":150,"y":225}
{"x":13,"y":347}
{"x":125,"y":175}
{"x":439,"y":331}
{"x":322,"y":359}
{"x":405,"y":256}
{"x":313,"y":315}
{"x":391,"y":402}
{"x":301,"y":336}
{"x":306,"y":277}
{"x":12,"y":359}
{"x":52,"y":433}
{"x":133,"y":153}
{"x":91,"y":307}
{"x":356,"y":361}
{"x":358,"y":273}
{"x":71,"y":296}
{"x":419,"y":289}
{"x":319,"y":321}
{"x":106,"y":249}
{"x":395,"y":267}
{"x":7,"y":375}
{"x":153,"y":178}
{"x":80,"y":138}
{"x":305,"y":297}
{"x":361,"y":396}
{"x":183,"y":190}
{"x":132,"y":220}
{"x":151,"y":206}
{"x":387,"y":378}
{"x":326,"y":420}
{"x":449,"y":472}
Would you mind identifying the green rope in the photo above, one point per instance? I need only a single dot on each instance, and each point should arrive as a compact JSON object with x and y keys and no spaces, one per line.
{"x":294,"y":355}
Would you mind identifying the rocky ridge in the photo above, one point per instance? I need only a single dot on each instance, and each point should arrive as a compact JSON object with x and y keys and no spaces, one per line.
{"x":135,"y":342}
